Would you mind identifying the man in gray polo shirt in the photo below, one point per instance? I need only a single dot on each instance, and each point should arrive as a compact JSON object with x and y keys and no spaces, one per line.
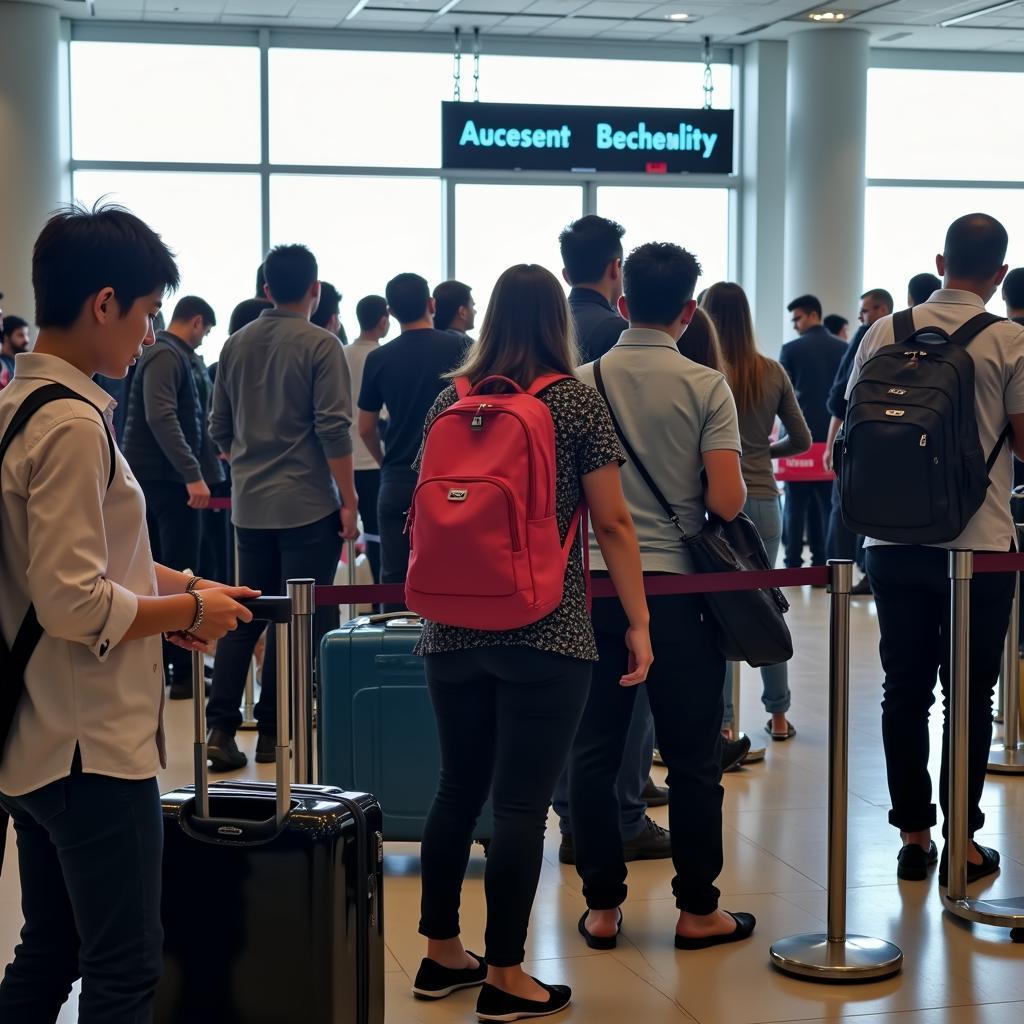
{"x":282,"y":408}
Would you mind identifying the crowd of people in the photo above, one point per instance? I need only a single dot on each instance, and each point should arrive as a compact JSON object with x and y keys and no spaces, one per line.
{"x":317,"y":440}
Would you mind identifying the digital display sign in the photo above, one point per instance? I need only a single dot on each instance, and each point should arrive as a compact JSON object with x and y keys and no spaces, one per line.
{"x":537,"y":137}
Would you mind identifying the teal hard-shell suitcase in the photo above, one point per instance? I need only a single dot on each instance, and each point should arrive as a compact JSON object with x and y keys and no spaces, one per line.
{"x":376,"y":725}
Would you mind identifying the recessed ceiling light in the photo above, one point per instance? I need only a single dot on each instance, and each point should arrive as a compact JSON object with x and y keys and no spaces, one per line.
{"x":678,"y":17}
{"x":828,"y":16}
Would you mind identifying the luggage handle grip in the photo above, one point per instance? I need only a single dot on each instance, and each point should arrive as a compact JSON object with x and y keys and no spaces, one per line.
{"x":272,"y":608}
{"x":230,"y":830}
{"x":389,"y":618}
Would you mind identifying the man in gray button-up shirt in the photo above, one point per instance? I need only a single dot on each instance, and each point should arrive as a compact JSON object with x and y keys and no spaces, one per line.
{"x":282,"y":408}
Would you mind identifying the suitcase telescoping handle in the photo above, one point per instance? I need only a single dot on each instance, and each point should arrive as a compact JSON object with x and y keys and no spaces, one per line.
{"x":277,"y":611}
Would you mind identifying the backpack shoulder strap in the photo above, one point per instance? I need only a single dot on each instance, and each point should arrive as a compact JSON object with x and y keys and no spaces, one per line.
{"x":903,"y":326}
{"x":544,"y":381}
{"x":964,"y":335}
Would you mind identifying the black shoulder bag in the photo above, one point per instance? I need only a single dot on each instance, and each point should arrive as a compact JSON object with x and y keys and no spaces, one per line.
{"x":749,"y":624}
{"x":14,"y":659}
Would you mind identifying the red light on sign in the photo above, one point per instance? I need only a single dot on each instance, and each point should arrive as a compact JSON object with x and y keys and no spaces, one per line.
{"x":657,"y":167}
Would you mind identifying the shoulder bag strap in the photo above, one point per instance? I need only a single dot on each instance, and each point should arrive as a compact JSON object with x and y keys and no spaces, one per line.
{"x":633,"y":457}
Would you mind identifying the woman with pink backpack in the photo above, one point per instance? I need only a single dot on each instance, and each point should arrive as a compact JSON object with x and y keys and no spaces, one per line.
{"x":513,"y":452}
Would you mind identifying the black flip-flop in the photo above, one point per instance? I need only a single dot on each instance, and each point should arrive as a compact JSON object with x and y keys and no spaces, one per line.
{"x":599,"y":941}
{"x":780,"y":737}
{"x":745,"y":924}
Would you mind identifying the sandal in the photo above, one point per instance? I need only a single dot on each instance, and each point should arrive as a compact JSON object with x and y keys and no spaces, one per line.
{"x":780,"y":737}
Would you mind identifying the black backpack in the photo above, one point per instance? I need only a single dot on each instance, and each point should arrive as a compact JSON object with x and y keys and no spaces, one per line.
{"x":909,"y":462}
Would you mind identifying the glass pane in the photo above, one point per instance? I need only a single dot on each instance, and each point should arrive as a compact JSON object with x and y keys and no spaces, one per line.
{"x":943,"y":124}
{"x":177,"y":104}
{"x":498,"y":226}
{"x":695,"y":218}
{"x":357,"y":108}
{"x":363,"y":231}
{"x":905,"y":228}
{"x":210,"y":221}
{"x":397,"y":119}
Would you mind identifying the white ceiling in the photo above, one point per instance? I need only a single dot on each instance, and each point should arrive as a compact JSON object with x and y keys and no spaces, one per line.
{"x":898,"y":23}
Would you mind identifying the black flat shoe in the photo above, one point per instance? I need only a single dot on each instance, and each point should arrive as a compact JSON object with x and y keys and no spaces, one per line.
{"x":434,"y":981}
{"x":989,"y":865}
{"x":781,"y":737}
{"x":745,"y":924}
{"x":913,"y":862}
{"x":599,"y":941}
{"x":495,"y":1005}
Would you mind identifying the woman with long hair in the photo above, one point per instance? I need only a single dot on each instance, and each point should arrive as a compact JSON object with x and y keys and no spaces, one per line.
{"x":700,"y":342}
{"x":763,"y":392}
{"x":508,"y":702}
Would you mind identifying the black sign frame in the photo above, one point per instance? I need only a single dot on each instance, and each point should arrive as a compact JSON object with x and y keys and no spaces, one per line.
{"x":542,"y":137}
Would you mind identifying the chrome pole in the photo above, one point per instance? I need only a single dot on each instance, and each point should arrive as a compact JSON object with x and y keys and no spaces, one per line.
{"x":202,"y":777}
{"x":283,"y":752}
{"x":249,"y":697}
{"x":1007,"y":758}
{"x":1005,"y":913}
{"x":301,"y":594}
{"x":834,"y":955}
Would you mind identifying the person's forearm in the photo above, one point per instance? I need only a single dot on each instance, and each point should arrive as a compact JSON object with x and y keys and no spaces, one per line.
{"x":372,"y":441}
{"x":833,"y":432}
{"x":157,"y":615}
{"x":343,"y":471}
{"x":622,"y":556}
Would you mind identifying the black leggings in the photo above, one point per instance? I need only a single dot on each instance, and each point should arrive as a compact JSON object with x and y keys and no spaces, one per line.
{"x":506,"y":717}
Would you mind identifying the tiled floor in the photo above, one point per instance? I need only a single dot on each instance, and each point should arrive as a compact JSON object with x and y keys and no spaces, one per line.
{"x":775,"y":845}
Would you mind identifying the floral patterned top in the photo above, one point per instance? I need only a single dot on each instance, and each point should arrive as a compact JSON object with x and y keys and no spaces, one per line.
{"x":584,"y":441}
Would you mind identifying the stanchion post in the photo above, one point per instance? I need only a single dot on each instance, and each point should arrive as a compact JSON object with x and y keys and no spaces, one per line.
{"x":249,"y":695}
{"x":283,"y":752}
{"x":754,"y":754}
{"x":301,"y":594}
{"x":199,"y":746}
{"x":834,"y":955}
{"x":1007,"y":758}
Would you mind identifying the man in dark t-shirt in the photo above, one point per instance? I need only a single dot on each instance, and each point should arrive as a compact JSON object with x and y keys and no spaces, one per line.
{"x":406,"y":375}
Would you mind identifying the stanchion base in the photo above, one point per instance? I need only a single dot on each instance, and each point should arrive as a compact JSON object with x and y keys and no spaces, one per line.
{"x":1006,"y":761}
{"x":998,"y":913}
{"x":249,"y":725}
{"x":857,"y":958}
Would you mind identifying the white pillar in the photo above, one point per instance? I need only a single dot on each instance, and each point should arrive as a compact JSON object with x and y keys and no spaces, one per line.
{"x":30,"y":161}
{"x":763,"y":169}
{"x":825,"y":177}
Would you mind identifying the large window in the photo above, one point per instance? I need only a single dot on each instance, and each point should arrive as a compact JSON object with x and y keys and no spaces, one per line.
{"x":210,"y":221}
{"x":695,"y":218}
{"x":345,"y":154}
{"x":363,"y":231}
{"x":498,"y":226}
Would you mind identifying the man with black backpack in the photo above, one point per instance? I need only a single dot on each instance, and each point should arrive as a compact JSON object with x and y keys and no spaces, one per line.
{"x":936,"y":406}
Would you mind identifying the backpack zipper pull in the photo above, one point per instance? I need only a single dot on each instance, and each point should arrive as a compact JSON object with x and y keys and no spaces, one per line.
{"x":477,"y":423}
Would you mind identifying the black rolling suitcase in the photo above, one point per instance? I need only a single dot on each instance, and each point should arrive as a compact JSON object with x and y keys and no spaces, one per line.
{"x":272,"y":899}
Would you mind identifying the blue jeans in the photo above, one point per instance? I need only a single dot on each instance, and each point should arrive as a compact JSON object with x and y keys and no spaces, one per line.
{"x":633,"y":774}
{"x":767,"y":517}
{"x":89,"y":854}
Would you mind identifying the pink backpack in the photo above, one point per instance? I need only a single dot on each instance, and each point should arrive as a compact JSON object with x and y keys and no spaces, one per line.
{"x":485,"y":550}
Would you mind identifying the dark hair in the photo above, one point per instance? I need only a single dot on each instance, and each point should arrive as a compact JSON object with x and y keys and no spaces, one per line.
{"x":370,"y":310}
{"x":408,"y":296}
{"x":291,"y":271}
{"x":807,"y":303}
{"x":247,"y":311}
{"x":527,"y":329}
{"x":450,"y":297}
{"x":699,"y":341}
{"x":1013,"y":289}
{"x":13,"y":323}
{"x":81,"y":251}
{"x":658,"y":279}
{"x":745,"y":367}
{"x":188,"y":307}
{"x":881,"y":297}
{"x":834,"y":323}
{"x":921,"y":287}
{"x":588,"y":245}
{"x":975,"y":247}
{"x":330,"y":304}
{"x":261,"y":280}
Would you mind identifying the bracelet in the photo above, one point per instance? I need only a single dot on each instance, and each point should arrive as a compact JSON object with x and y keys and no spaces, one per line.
{"x":193,"y":582}
{"x":200,"y":610}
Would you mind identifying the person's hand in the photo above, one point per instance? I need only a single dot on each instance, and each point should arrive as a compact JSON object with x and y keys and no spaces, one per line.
{"x":641,"y":657}
{"x":222,"y":613}
{"x":349,"y":523}
{"x":198,"y":494}
{"x":826,"y":459}
{"x":188,"y":642}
